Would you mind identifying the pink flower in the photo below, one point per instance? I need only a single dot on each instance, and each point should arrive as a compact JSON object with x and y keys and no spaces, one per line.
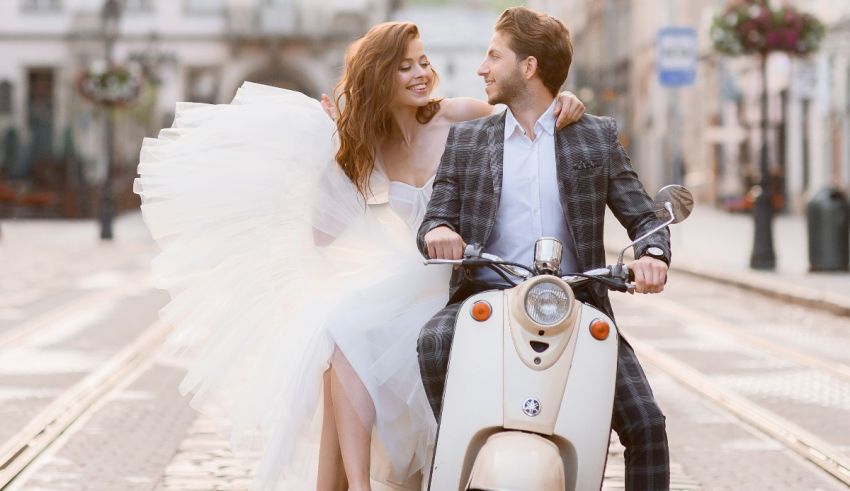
{"x":791,"y":38}
{"x":773,"y":40}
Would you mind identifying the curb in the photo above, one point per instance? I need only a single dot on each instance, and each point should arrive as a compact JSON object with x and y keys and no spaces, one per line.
{"x":798,"y":295}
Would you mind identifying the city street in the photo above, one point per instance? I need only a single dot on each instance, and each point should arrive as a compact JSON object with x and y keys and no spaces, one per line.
{"x":756,"y":390}
{"x":205,"y":114}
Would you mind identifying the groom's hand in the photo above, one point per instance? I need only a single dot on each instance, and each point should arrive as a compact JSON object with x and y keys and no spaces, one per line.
{"x":650,"y":274}
{"x":444,"y":243}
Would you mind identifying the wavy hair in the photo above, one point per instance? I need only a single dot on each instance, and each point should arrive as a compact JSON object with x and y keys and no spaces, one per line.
{"x":365,"y":93}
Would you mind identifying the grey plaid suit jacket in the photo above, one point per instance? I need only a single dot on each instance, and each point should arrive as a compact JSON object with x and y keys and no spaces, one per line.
{"x":593,"y":171}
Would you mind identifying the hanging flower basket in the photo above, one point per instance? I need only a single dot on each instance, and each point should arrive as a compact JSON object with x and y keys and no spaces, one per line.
{"x":752,"y":27}
{"x":115,"y":87}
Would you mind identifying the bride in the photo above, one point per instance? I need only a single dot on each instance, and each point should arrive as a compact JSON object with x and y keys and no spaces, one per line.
{"x":297,"y":292}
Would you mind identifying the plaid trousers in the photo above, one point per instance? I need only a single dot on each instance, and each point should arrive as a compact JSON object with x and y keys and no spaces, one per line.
{"x":636,"y":417}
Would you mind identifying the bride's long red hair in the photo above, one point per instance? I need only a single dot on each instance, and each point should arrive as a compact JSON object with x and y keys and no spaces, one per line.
{"x":364,"y":95}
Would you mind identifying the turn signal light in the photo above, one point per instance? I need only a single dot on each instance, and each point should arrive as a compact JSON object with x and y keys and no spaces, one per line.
{"x":481,"y":311}
{"x":599,"y":329}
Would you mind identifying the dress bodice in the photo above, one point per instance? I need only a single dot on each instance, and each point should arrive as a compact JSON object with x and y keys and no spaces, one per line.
{"x":410,"y":202}
{"x":407,"y":201}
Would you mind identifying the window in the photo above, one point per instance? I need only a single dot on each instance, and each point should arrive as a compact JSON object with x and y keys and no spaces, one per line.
{"x":203,"y":7}
{"x":41,"y":5}
{"x":5,"y":98}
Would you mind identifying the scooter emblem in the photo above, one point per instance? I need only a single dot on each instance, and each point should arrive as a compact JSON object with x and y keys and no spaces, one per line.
{"x":531,"y":407}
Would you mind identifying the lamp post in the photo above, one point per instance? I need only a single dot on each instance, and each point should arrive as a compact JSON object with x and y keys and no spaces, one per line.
{"x":763,"y":256}
{"x":110,"y":16}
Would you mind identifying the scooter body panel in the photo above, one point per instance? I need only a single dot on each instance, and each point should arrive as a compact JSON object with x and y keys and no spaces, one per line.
{"x":584,"y":419}
{"x":472,"y":400}
{"x":490,"y":383}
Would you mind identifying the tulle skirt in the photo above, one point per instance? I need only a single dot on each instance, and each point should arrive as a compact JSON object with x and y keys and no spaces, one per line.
{"x":274,"y":263}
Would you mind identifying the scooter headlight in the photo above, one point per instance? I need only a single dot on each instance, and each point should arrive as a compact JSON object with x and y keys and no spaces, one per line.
{"x":547,"y":303}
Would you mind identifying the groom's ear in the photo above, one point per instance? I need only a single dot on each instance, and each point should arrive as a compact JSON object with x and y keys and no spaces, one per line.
{"x":529,"y":67}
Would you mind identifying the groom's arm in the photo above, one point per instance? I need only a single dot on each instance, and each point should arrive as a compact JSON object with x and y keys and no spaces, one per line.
{"x":628,"y":200}
{"x":635,"y":211}
{"x":444,"y":207}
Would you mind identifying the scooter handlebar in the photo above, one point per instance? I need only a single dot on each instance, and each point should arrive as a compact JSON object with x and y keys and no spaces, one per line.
{"x":442,"y":261}
{"x":618,"y":278}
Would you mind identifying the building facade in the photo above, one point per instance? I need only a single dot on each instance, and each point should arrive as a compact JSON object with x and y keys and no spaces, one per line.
{"x":186,"y":50}
{"x":707,"y":135}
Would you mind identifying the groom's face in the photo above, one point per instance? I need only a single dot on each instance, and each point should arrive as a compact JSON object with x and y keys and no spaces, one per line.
{"x":500,"y":69}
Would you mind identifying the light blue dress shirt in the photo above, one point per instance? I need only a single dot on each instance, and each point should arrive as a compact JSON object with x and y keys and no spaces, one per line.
{"x":530,"y":204}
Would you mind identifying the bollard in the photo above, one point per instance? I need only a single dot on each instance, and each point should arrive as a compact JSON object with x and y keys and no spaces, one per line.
{"x":828,"y":220}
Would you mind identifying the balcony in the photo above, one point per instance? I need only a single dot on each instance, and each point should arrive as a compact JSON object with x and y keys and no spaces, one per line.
{"x":296,"y":19}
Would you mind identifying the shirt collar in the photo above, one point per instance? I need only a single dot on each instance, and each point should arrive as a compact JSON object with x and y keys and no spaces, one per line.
{"x":546,"y":122}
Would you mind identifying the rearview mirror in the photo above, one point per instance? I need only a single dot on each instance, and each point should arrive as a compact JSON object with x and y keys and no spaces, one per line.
{"x":681,"y":203}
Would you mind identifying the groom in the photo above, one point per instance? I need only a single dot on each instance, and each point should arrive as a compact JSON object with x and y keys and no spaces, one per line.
{"x":510,"y":178}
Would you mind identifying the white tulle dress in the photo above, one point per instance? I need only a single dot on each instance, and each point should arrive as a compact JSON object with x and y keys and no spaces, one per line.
{"x":272,"y":260}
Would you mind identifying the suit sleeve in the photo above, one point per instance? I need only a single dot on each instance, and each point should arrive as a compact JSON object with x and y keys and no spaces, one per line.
{"x":444,"y":207}
{"x":628,"y":200}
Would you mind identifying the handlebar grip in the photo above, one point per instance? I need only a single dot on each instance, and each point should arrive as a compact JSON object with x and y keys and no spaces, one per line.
{"x":630,"y":274}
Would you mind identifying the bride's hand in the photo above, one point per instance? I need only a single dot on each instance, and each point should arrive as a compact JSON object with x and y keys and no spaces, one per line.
{"x":568,"y":110}
{"x":330,"y":109}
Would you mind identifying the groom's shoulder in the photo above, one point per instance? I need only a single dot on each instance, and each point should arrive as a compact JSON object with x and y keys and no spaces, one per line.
{"x":593,"y":123}
{"x":467,"y":129}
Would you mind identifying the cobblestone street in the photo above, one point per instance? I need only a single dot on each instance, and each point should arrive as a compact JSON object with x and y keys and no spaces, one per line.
{"x":64,"y":324}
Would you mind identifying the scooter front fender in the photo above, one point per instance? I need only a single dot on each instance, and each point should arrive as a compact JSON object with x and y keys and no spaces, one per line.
{"x":518,"y":461}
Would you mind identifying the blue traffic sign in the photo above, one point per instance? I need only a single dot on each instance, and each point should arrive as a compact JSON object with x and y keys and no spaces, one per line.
{"x":677,"y":51}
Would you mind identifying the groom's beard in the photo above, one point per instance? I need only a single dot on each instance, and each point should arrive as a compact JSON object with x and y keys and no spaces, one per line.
{"x":509,"y":89}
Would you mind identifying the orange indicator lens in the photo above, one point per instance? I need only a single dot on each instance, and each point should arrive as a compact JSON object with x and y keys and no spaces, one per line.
{"x":599,"y":329}
{"x":481,"y":311}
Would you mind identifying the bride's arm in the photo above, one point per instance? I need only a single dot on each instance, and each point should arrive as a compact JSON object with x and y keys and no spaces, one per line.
{"x":568,"y":110}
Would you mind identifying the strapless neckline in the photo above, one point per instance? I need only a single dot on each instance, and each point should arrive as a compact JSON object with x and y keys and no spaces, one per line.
{"x":428,"y":183}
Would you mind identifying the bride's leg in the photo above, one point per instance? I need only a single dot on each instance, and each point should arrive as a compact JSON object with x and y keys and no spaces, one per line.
{"x":355,"y":416}
{"x":331,"y":473}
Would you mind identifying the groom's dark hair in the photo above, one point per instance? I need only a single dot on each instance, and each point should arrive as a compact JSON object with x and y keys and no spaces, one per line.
{"x":542,"y":36}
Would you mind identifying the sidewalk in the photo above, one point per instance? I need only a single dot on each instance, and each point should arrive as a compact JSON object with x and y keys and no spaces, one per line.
{"x":44,"y":259}
{"x":717,"y":245}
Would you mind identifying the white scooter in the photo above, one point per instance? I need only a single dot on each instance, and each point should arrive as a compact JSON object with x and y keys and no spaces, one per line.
{"x":530,"y":383}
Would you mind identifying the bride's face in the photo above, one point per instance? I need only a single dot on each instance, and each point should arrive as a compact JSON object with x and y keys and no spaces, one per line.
{"x":414,"y":77}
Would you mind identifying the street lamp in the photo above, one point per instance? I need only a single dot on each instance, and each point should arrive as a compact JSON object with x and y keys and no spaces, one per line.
{"x":110,"y":17}
{"x":762,"y":256}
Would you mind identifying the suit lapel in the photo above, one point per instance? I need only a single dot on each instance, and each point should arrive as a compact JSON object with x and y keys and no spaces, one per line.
{"x":495,"y":151}
{"x":565,"y":158}
{"x":496,"y":147}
